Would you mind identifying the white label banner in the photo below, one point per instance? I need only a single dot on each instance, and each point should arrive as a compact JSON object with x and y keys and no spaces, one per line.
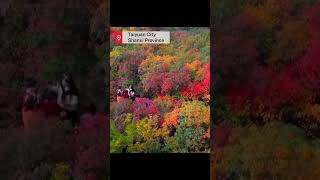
{"x":145,"y":37}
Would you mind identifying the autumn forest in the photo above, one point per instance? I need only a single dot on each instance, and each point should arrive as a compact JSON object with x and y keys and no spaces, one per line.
{"x":246,"y":91}
{"x":41,"y":42}
{"x":170,"y":112}
{"x":266,"y":84}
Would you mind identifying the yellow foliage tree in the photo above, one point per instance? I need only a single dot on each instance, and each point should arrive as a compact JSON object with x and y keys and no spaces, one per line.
{"x":196,"y":112}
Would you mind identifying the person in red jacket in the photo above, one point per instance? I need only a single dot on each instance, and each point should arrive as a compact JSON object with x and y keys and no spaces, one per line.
{"x":119,"y":94}
{"x":31,"y":115}
{"x":49,"y":104}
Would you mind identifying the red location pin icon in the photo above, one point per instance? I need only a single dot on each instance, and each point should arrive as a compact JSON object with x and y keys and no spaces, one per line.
{"x":117,"y":37}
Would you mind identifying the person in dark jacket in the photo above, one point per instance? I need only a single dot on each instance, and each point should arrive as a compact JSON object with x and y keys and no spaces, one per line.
{"x":131,"y":93}
{"x":68,"y":99}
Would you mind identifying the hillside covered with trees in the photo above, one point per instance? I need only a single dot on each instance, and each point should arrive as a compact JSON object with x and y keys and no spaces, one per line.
{"x":40,"y":40}
{"x":266,"y":86}
{"x":170,"y":112}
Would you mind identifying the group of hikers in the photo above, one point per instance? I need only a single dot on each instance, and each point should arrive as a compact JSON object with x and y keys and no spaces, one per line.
{"x":128,"y":93}
{"x":59,"y":100}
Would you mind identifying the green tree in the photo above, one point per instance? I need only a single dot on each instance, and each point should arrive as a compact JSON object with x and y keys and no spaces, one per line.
{"x":119,"y":141}
{"x":187,"y":139}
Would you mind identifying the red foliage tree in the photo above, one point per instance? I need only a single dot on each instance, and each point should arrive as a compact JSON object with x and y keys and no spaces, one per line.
{"x":143,"y":107}
{"x":198,"y":89}
{"x":271,"y":90}
{"x":91,"y":147}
